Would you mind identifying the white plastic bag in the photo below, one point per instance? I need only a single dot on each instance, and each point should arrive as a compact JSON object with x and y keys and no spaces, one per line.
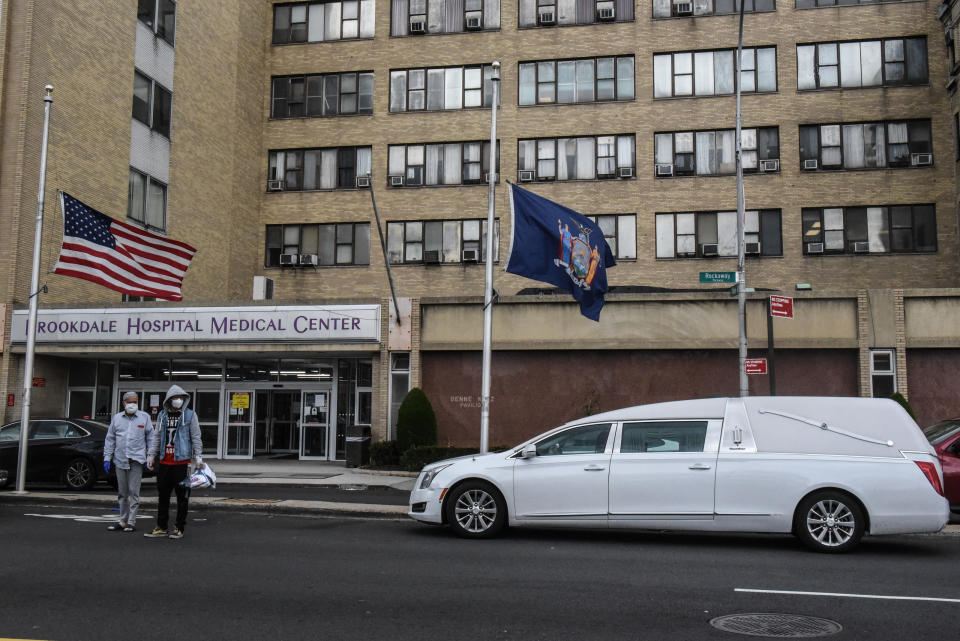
{"x":201,"y":478}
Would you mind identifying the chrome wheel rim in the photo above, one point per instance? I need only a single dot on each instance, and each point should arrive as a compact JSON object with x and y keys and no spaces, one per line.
{"x":78,"y":474}
{"x":475,"y":511}
{"x":831,"y":523}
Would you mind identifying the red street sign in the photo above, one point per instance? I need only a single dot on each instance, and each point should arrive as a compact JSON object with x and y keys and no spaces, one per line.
{"x":755,"y":366}
{"x":39,"y":382}
{"x":781,"y":306}
{"x":10,"y":399}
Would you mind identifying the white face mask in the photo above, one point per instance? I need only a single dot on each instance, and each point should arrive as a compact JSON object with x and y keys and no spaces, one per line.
{"x":177,"y":403}
{"x":131,"y":408}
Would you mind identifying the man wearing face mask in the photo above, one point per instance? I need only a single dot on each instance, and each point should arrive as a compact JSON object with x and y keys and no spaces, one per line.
{"x":177,"y":443}
{"x":128,"y":439}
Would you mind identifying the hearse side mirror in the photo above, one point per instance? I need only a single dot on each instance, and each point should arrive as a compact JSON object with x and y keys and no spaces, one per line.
{"x":528,"y":452}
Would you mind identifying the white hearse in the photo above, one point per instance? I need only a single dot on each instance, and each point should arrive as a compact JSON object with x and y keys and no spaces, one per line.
{"x":827,"y":469}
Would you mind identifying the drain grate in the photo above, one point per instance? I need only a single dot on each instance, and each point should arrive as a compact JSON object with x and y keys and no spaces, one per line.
{"x":781,"y":626}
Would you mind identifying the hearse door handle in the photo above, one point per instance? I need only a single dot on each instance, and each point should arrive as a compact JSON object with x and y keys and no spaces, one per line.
{"x":699,"y":466}
{"x":594,"y":468}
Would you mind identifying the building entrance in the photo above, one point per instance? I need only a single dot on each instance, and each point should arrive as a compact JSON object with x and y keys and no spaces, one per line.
{"x":277,"y":418}
{"x":268,"y":422}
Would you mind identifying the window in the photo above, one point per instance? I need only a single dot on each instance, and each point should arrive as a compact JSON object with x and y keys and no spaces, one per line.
{"x":584,"y":439}
{"x":714,"y":153}
{"x":711,"y":73}
{"x":127,"y":298}
{"x":409,"y":17}
{"x":56,"y":429}
{"x":714,"y":234}
{"x":869,"y":145}
{"x":440,"y":241}
{"x":322,"y":95}
{"x":160,"y":16}
{"x":620,"y":232}
{"x":399,"y":386}
{"x":548,"y":13}
{"x":883,"y":373}
{"x":147,"y":201}
{"x":685,"y":8}
{"x":441,"y":88}
{"x":322,"y":21}
{"x":452,"y":163}
{"x":866,"y":63}
{"x":571,"y":81}
{"x":869,"y":230}
{"x":332,"y":244}
{"x":152,"y":104}
{"x":582,"y":158}
{"x":815,"y":4}
{"x":672,"y":436}
{"x":312,"y":169}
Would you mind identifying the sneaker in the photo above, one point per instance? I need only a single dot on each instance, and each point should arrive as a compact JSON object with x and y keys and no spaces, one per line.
{"x":157,"y":532}
{"x":176,"y":534}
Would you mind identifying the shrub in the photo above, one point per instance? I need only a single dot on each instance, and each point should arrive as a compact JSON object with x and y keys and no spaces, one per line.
{"x":384,"y":453}
{"x":898,"y":397}
{"x":416,"y":422}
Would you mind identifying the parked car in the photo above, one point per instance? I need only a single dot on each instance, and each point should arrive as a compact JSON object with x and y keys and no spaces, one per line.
{"x":945,"y":439}
{"x":63,"y":450}
{"x":828,"y":470}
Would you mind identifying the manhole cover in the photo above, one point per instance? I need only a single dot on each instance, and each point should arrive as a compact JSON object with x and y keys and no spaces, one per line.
{"x":781,"y":626}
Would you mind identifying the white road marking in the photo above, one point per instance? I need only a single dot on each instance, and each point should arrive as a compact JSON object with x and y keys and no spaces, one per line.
{"x":81,"y":518}
{"x":851,"y":596}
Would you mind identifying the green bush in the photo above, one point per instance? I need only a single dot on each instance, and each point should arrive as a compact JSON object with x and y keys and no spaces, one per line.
{"x":416,"y":422}
{"x":384,"y":454}
{"x":898,"y":397}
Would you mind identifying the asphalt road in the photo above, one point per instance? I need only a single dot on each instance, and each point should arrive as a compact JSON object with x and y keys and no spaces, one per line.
{"x":254,"y":576}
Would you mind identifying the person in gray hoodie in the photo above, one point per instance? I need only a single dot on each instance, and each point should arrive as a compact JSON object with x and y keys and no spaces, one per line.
{"x":177,"y":443}
{"x":128,"y":439}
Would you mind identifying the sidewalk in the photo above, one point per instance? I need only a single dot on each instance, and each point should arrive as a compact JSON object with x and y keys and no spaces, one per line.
{"x":277,"y":474}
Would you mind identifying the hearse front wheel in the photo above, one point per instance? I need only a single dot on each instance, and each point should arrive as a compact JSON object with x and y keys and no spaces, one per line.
{"x":830,"y":522}
{"x":475,"y":510}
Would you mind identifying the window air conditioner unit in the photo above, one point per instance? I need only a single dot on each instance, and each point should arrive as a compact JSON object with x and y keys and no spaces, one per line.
{"x":418,"y":26}
{"x":274,"y":185}
{"x":751,"y":249}
{"x":814,"y":248}
{"x":921,"y":159}
{"x":363,"y":182}
{"x":709,"y":249}
{"x":860,"y":248}
{"x":525,"y":176}
{"x":811,"y":163}
{"x":396,"y":181}
{"x":474,"y":23}
{"x":548,"y":18}
{"x":625,"y":172}
{"x":486,"y":177}
{"x":308,"y":260}
{"x":664,"y":170}
{"x":470,"y":256}
{"x":605,"y":14}
{"x":262,"y":288}
{"x":769,"y":165}
{"x":288,"y":260}
{"x":431,"y":256}
{"x":683,"y":9}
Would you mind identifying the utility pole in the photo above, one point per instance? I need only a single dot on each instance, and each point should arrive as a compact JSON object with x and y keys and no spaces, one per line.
{"x":488,"y":287}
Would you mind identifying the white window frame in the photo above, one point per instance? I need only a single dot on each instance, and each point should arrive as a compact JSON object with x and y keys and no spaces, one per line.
{"x":892,"y":372}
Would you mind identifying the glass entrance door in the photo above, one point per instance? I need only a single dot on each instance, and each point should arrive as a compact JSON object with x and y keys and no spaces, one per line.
{"x":239,"y":432}
{"x":315,"y":424}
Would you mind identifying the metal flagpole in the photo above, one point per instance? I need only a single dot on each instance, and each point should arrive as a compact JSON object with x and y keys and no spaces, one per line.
{"x":741,"y":267}
{"x":386,"y":259}
{"x":34,"y":292}
{"x":488,"y":288}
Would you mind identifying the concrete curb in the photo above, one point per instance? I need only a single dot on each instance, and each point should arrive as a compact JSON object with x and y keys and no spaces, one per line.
{"x":279,"y":506}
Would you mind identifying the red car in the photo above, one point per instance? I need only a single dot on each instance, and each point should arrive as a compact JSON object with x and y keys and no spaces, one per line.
{"x":945,"y":438}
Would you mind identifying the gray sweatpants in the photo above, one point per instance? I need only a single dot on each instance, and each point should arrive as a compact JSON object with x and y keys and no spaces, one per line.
{"x":128,"y":491}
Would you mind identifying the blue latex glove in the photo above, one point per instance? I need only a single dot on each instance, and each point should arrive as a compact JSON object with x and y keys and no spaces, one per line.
{"x":106,"y":466}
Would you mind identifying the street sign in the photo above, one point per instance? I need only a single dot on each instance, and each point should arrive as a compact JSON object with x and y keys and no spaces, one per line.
{"x":718,"y":277}
{"x":781,"y":306}
{"x":755,"y":366}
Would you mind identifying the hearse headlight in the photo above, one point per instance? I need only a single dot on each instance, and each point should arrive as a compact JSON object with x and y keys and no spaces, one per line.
{"x":432,"y":474}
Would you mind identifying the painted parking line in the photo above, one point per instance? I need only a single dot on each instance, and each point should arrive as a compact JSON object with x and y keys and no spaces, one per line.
{"x":850,"y":596}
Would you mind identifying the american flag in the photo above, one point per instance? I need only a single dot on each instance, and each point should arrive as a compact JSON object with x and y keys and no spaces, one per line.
{"x":122,"y":257}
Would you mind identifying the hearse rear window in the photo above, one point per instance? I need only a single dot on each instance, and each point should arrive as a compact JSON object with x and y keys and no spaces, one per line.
{"x":655,"y":436}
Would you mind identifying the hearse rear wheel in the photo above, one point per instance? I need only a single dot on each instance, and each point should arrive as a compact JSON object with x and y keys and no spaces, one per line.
{"x":829,"y":522}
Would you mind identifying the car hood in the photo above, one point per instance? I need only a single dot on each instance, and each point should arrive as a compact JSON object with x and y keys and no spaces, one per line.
{"x":469,"y":457}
